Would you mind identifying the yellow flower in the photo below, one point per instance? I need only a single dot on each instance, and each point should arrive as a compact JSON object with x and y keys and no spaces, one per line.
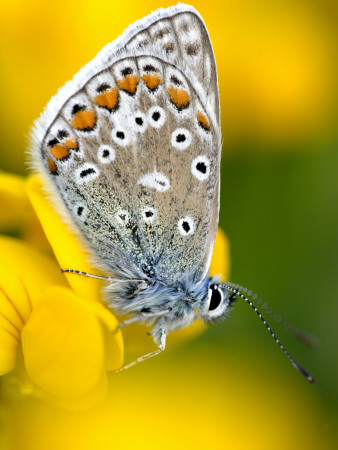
{"x":57,"y":339}
{"x":67,"y":338}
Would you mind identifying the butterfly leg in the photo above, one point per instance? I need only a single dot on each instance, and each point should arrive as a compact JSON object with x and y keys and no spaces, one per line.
{"x":161,"y":347}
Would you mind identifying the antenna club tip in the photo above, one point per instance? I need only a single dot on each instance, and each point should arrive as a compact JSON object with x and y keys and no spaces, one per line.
{"x":310,"y":379}
{"x":304,"y":372}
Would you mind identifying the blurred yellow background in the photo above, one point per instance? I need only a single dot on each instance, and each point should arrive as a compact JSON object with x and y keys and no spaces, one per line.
{"x":230,"y":388}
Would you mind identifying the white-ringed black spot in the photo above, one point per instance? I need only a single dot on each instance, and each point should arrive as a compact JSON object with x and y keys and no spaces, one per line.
{"x":76,"y":108}
{"x":106,"y":154}
{"x":149,"y":68}
{"x":186,"y":226}
{"x":120,"y":136}
{"x":85,"y":173}
{"x":175,"y":80}
{"x":200,"y":167}
{"x":149,"y":214}
{"x":181,"y":138}
{"x":156,"y":116}
{"x":53,"y":142}
{"x":102,"y":87}
{"x":126,"y":71}
{"x":81,"y":211}
{"x":140,"y":122}
{"x":62,"y":134}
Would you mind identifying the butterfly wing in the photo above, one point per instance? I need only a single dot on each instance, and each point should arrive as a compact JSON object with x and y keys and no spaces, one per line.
{"x":132,"y":147}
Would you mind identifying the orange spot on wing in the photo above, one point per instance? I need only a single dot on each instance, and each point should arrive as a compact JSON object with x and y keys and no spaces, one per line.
{"x":152,"y":80}
{"x":84,"y":120}
{"x":108,"y":99}
{"x":59,"y":151}
{"x":71,"y":143}
{"x":203,"y":121}
{"x":179,"y":97}
{"x":128,"y":83}
{"x":52,"y":166}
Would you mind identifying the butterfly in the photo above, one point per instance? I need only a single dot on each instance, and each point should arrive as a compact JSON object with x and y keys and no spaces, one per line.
{"x":131,"y":150}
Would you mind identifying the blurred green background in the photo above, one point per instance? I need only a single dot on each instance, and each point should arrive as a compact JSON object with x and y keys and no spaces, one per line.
{"x":277,"y":69}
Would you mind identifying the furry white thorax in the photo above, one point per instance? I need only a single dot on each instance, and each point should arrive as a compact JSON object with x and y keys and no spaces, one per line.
{"x":165,"y":308}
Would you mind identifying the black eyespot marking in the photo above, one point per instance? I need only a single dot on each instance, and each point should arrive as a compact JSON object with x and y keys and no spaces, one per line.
{"x":77,"y":108}
{"x":80,"y":211}
{"x":139,"y":121}
{"x":127,"y":71}
{"x":103,"y":87}
{"x":120,"y":135}
{"x":160,"y":182}
{"x":175,"y":80}
{"x":149,"y":68}
{"x":122,"y":216}
{"x":52,"y":142}
{"x":148,"y":213}
{"x":186,"y":226}
{"x":201,"y":167}
{"x":105,"y":153}
{"x":215,"y":300}
{"x":86,"y":172}
{"x":180,"y":138}
{"x":156,"y":115}
{"x":62,"y":134}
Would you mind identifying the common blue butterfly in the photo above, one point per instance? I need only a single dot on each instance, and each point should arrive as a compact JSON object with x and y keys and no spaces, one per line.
{"x":131,"y":147}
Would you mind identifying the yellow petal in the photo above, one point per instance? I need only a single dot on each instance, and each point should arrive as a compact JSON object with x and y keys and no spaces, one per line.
{"x":66,"y":246}
{"x":33,"y":270}
{"x":17,"y":215}
{"x":24,"y":274}
{"x":64,"y":346}
{"x":220,"y":261}
{"x":8,"y":349}
{"x":14,"y":203}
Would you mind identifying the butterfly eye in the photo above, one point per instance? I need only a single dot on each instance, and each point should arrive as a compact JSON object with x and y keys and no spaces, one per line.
{"x":216,"y":304}
{"x":216,"y":299}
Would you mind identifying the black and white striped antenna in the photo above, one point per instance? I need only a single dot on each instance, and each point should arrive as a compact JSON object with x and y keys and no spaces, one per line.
{"x":236,"y":291}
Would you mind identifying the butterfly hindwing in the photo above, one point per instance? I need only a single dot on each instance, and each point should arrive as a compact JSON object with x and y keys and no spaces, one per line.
{"x":134,"y":153}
